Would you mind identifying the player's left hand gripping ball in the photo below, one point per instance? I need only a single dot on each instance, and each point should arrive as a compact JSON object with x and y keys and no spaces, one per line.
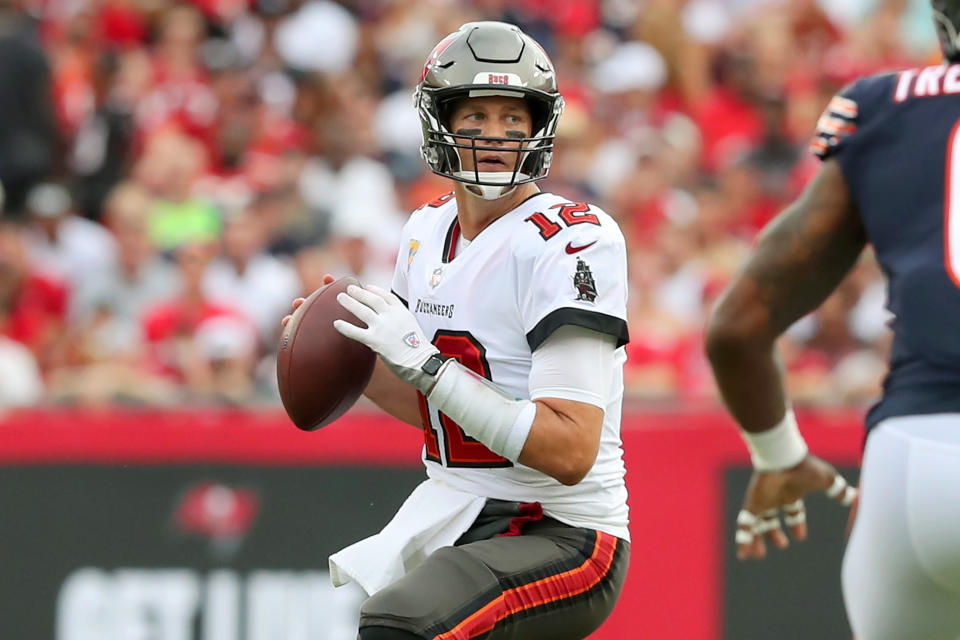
{"x":392,"y":332}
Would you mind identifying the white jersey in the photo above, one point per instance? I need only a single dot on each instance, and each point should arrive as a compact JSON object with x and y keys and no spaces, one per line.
{"x":545,"y":264}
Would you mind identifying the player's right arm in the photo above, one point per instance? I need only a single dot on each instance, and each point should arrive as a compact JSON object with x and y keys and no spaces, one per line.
{"x":393,"y":395}
{"x":572,"y":304}
{"x":799,"y":259}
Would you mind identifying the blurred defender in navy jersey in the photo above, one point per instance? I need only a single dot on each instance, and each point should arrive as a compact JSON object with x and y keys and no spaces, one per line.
{"x":890,"y":177}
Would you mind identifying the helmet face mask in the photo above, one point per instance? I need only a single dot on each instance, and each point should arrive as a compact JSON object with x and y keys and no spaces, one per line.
{"x":946,"y":18}
{"x":488,"y":59}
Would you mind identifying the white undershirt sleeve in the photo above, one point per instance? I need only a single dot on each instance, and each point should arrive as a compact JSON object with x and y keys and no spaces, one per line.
{"x":574,"y":363}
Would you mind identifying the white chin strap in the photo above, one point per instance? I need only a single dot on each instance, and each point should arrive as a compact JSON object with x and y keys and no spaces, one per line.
{"x":490,"y":191}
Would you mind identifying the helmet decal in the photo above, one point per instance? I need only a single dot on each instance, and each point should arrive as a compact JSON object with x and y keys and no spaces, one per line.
{"x":435,"y":54}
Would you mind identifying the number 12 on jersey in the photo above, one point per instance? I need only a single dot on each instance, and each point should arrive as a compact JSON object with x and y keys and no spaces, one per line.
{"x":571,"y":213}
{"x":461,"y":450}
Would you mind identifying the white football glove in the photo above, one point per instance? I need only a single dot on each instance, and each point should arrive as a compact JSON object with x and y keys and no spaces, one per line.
{"x":392,"y":332}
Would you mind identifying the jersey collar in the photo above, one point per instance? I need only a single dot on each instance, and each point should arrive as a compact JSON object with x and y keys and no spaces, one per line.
{"x":453,"y":232}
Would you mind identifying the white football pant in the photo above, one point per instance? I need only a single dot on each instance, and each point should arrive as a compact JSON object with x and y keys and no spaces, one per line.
{"x":901,"y":571}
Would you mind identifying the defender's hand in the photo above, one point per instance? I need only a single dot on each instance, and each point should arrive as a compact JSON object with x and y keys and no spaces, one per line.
{"x":392,"y":332}
{"x":770,"y":491}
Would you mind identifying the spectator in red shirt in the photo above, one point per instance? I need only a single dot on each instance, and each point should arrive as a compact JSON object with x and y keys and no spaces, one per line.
{"x":121,"y":24}
{"x":35,"y":303}
{"x":171,"y":328}
{"x":728,"y":117}
{"x":181,"y":95}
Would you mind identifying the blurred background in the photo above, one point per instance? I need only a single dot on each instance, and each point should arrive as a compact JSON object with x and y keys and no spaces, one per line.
{"x":175,"y":174}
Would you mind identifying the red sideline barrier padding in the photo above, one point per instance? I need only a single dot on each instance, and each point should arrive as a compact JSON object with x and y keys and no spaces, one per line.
{"x":675,"y":461}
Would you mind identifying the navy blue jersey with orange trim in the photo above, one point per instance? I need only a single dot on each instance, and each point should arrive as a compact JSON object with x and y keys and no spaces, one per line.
{"x":894,"y":137}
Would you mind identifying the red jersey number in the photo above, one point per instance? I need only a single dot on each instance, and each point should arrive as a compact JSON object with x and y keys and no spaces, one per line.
{"x":570,"y":213}
{"x":461,"y":449}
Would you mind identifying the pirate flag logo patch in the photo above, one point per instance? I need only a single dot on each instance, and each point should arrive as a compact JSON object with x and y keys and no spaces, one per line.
{"x":584,"y":283}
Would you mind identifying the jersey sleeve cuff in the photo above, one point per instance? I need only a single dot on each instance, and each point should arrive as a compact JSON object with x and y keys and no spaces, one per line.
{"x":600,"y":322}
{"x":402,"y":299}
{"x":567,"y":393}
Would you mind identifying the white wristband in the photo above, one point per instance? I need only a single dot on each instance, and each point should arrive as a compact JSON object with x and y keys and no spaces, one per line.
{"x":779,"y":448}
{"x":482,"y":410}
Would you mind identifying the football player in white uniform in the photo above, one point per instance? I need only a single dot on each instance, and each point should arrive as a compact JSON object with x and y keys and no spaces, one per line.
{"x":503,"y":338}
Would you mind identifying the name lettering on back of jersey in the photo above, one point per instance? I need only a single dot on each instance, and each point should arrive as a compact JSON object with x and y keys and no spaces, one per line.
{"x":434,"y":309}
{"x":930,"y":82}
{"x":583,"y":282}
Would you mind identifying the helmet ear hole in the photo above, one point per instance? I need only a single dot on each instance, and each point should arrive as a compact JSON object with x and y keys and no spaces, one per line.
{"x":539,"y":113}
{"x":445,"y":109}
{"x":451,"y":158}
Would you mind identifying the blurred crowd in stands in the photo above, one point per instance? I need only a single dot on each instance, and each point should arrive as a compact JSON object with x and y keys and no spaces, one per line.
{"x":175,"y":174}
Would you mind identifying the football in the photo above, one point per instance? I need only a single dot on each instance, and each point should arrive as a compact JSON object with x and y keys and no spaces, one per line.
{"x":320,"y":372}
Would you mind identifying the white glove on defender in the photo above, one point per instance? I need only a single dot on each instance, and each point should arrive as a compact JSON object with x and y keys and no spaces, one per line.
{"x":392,"y":332}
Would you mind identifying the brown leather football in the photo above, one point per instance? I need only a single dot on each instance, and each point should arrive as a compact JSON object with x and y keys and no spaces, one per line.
{"x":320,"y":372}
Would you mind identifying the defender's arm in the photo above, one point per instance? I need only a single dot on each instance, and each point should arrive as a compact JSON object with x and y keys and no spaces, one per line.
{"x":799,"y":259}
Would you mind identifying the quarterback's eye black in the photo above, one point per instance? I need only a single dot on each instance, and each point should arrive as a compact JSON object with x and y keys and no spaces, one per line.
{"x":468,"y":132}
{"x":518,"y":135}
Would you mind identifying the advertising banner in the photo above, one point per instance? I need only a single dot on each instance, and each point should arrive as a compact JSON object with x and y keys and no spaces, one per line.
{"x":209,"y":525}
